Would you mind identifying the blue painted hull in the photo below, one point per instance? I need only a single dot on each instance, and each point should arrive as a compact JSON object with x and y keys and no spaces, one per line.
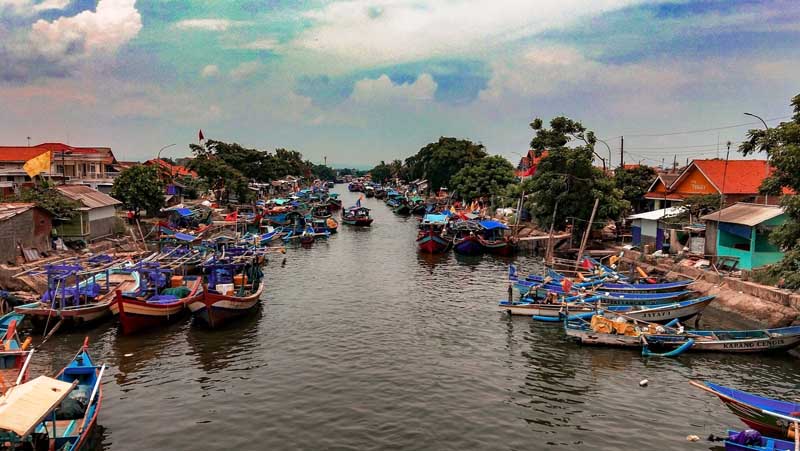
{"x":468,"y":246}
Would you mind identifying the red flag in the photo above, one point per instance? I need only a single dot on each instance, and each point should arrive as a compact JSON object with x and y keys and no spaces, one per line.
{"x":200,"y":135}
{"x":232,"y":217}
{"x":586,"y":264}
{"x":566,"y":285}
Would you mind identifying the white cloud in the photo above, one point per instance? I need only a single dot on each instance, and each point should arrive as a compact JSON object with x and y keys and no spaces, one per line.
{"x":210,"y":71}
{"x":383,"y":31}
{"x":245,"y":70}
{"x":30,"y":7}
{"x":209,"y":24}
{"x":111,"y":25}
{"x":383,"y":91}
{"x":260,"y":44}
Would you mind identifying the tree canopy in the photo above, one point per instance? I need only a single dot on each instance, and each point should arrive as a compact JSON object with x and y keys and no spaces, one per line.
{"x":566,"y":178}
{"x":782,"y":146}
{"x":634,"y":183}
{"x":49,"y":198}
{"x":140,"y":188}
{"x":438,"y":162}
{"x":381,"y":173}
{"x":489,"y":176}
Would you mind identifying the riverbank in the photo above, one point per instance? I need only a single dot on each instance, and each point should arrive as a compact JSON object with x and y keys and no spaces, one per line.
{"x":755,"y":303}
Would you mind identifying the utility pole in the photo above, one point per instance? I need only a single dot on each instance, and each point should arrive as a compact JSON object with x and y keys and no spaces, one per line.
{"x":622,"y":151}
{"x":326,"y":160}
{"x":675,"y":163}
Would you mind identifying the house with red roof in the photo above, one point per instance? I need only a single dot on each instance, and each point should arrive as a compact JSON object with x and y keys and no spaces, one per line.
{"x":174,"y":170}
{"x":89,"y":166}
{"x":528,"y":164}
{"x":737,"y":180}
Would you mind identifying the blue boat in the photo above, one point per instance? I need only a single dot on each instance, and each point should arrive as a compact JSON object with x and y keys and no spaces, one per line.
{"x":751,"y":440}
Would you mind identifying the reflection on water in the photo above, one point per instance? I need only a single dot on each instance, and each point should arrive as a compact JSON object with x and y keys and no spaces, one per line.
{"x":363,"y":343}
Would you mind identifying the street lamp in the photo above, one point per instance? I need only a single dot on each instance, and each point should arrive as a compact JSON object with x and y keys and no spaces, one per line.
{"x":766,"y":127}
{"x":158,"y":157}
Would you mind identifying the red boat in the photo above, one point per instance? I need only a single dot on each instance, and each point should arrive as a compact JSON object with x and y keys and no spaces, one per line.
{"x":138,"y":312}
{"x":357,"y":216}
{"x":430,"y":238}
{"x":234,"y":289}
{"x":494,"y":240}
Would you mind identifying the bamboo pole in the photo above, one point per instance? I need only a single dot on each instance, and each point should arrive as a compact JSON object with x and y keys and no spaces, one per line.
{"x":586,"y":233}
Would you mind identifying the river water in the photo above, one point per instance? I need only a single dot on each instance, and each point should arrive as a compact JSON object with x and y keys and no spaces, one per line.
{"x":363,"y":344}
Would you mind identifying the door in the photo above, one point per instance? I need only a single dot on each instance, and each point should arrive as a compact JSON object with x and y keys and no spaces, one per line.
{"x":659,"y":239}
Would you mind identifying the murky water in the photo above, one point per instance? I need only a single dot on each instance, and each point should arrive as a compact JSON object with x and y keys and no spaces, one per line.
{"x":364,"y":344}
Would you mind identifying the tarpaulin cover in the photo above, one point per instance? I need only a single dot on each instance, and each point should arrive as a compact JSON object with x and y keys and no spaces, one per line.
{"x":183,"y":211}
{"x":490,"y":225}
{"x":185,"y":237}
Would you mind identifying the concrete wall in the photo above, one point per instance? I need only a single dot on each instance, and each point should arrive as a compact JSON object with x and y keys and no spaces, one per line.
{"x":102,"y":213}
{"x":101,"y":227}
{"x":31,"y":229}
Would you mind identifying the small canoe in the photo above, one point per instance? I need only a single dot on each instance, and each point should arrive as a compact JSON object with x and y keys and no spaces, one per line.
{"x":14,"y":353}
{"x":752,"y":440}
{"x":682,"y":311}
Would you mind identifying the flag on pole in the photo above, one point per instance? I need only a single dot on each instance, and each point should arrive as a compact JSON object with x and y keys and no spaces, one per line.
{"x":587,"y":264}
{"x":512,"y":272}
{"x":566,"y":285}
{"x":200,"y":135}
{"x":37,"y":164}
{"x":232,"y":217}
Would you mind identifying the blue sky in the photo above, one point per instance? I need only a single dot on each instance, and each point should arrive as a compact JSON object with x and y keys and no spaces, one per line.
{"x":360,"y":81}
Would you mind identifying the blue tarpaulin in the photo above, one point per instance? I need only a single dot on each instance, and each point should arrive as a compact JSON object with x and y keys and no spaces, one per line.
{"x":491,"y":225}
{"x":183,"y":211}
{"x":185,"y":237}
{"x":435,"y":218}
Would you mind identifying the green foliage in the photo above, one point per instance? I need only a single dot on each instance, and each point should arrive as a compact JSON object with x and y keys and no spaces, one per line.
{"x":381,"y":173}
{"x":322,"y":172}
{"x":220,"y":177}
{"x":49,"y":198}
{"x":782,"y":146}
{"x":489,"y":176}
{"x":695,"y":207}
{"x":634,"y":183}
{"x":566,"y":178}
{"x":254,"y":164}
{"x":438,"y":162}
{"x":140,"y":188}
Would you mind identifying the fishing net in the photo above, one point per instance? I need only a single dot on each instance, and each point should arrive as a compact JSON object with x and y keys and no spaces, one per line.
{"x":178,"y":292}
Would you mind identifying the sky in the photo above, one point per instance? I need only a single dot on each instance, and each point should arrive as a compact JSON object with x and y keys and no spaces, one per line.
{"x":359,"y":81}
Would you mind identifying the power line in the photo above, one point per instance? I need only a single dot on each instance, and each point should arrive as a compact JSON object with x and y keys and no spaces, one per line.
{"x":689,"y":132}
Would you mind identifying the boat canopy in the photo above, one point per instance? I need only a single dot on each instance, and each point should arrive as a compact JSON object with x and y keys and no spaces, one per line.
{"x":183,"y":212}
{"x":491,"y":225}
{"x":435,"y":219}
{"x":279,"y":201}
{"x":25,"y":406}
{"x":185,"y":237}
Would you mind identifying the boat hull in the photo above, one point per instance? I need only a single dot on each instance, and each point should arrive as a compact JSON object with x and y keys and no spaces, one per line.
{"x":86,"y":315}
{"x":214,"y":309}
{"x":358,"y":222}
{"x":432,"y":243}
{"x":469,"y":245}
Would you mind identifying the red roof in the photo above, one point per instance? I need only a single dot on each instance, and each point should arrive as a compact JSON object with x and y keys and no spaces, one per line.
{"x":174,"y":169}
{"x":741,"y":176}
{"x":21,"y":154}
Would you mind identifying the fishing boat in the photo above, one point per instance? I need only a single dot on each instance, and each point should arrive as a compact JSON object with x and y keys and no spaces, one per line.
{"x":14,"y":355}
{"x":402,"y":207}
{"x":333,"y":201}
{"x":752,"y":440}
{"x":53,"y":413}
{"x":308,"y":236}
{"x":369,"y":191}
{"x":77,"y":297}
{"x":417,"y":206}
{"x":647,"y":335}
{"x":380,"y":193}
{"x":465,"y":237}
{"x":357,"y":216}
{"x":556,"y":311}
{"x":765,"y":415}
{"x":430,"y":238}
{"x":155,"y":303}
{"x":234,"y":289}
{"x":494,"y":240}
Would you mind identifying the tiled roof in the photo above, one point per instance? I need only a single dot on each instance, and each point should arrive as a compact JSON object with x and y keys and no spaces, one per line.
{"x":10,"y":209}
{"x":173,"y":169}
{"x":89,"y":197}
{"x":25,"y":153}
{"x":741,"y":176}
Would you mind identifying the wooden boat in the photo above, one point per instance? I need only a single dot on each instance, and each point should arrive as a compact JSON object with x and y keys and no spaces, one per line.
{"x":76,"y":298}
{"x":418,"y":206}
{"x":308,"y":236}
{"x":369,"y":191}
{"x":751,"y":408}
{"x":756,"y":442}
{"x":224,"y":299}
{"x":357,"y":216}
{"x":465,"y":238}
{"x":14,"y":356}
{"x":154,"y":304}
{"x":543,"y":311}
{"x":402,"y":208}
{"x":640,"y":334}
{"x":430,"y":238}
{"x":380,"y":193}
{"x":54,"y":413}
{"x":494,"y":240}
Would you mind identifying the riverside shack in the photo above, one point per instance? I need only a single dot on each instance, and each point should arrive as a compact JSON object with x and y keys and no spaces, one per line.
{"x":741,"y":232}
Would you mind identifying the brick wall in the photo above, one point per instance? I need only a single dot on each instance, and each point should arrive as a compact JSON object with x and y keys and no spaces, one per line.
{"x":31,"y":228}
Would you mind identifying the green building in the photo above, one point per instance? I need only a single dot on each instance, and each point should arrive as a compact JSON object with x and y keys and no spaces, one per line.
{"x":742,"y":231}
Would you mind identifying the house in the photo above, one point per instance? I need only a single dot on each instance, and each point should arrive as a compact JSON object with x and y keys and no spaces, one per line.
{"x":95,"y":219}
{"x":737,"y":180}
{"x":741,"y":232}
{"x":23,"y":225}
{"x":175,"y":171}
{"x":648,"y":229}
{"x":528,"y":164}
{"x":89,"y":166}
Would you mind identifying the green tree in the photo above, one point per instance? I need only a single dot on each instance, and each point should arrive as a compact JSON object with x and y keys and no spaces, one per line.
{"x":567,"y":179}
{"x":322,"y":172}
{"x":438,"y":162}
{"x":49,"y":198}
{"x":634,"y":183}
{"x":381,"y":173}
{"x":782,"y":146}
{"x":489,"y":176}
{"x":140,"y":188}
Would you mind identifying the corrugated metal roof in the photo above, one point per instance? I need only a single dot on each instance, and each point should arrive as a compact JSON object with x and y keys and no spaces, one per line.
{"x":88,"y":196}
{"x":745,"y":214}
{"x":9,"y":210}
